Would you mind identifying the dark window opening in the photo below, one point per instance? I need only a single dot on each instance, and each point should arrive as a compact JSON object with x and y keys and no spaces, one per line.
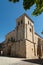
{"x":18,"y":23}
{"x":12,"y":39}
{"x":21,"y":21}
{"x":30,"y":29}
{"x":28,"y":22}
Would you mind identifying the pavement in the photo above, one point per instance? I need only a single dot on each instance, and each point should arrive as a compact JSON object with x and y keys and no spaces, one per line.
{"x":19,"y":61}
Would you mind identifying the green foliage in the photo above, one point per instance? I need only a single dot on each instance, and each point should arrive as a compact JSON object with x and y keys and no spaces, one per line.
{"x":39,"y":7}
{"x":14,"y":0}
{"x":27,"y":4}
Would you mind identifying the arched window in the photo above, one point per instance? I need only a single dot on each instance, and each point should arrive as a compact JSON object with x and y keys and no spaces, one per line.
{"x":21,"y":21}
{"x":30,"y":30}
{"x":28,"y":22}
{"x":12,"y":39}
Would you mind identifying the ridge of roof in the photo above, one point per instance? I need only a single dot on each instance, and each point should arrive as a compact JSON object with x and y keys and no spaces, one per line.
{"x":10,"y":32}
{"x":26,"y":16}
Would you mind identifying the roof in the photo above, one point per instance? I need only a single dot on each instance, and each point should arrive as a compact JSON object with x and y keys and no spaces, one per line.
{"x":38,"y":35}
{"x":26,"y":16}
{"x":10,"y":32}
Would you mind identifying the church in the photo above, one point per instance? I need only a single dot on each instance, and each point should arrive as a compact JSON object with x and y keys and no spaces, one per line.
{"x":23,"y":41}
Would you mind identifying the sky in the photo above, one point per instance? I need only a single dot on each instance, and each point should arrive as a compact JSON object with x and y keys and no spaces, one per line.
{"x":9,"y":12}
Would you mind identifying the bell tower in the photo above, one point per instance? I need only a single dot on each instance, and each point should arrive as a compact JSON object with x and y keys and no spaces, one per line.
{"x":24,"y":28}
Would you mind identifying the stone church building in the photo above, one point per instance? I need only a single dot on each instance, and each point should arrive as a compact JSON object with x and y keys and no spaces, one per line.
{"x":23,"y":41}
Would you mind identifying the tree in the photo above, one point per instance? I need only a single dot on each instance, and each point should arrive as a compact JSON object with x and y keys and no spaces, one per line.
{"x":27,"y":4}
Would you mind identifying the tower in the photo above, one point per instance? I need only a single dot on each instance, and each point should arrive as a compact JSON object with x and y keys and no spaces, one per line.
{"x":25,"y":34}
{"x":25,"y":28}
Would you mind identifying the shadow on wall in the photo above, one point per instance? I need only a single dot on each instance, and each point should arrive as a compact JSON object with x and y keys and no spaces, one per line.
{"x":36,"y":61}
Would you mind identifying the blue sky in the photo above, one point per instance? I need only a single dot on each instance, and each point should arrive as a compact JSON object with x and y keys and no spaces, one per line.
{"x":9,"y":12}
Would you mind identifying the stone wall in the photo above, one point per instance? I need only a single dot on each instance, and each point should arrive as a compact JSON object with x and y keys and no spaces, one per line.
{"x":18,"y":49}
{"x":29,"y":50}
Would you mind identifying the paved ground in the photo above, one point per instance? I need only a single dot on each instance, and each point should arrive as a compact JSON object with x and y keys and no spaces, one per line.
{"x":19,"y":61}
